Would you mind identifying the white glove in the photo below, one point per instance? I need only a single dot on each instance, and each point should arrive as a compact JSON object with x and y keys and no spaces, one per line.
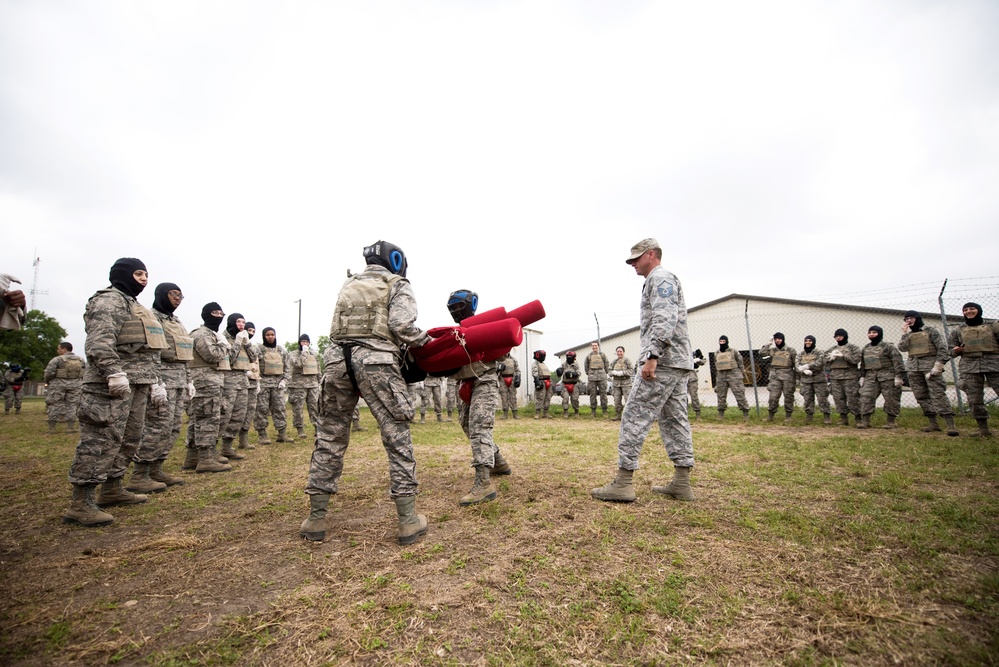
{"x":835,"y":354}
{"x":283,"y":384}
{"x":258,"y":389}
{"x":938,"y":368}
{"x":158,"y":395}
{"x":899,"y":382}
{"x":191,"y":391}
{"x":800,"y":368}
{"x":118,"y":384}
{"x":243,"y":338}
{"x":807,"y":372}
{"x":220,"y":337}
{"x":860,"y":382}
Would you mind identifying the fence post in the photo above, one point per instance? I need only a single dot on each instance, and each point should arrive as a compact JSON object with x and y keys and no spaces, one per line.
{"x":752,"y":361}
{"x":953,"y":362}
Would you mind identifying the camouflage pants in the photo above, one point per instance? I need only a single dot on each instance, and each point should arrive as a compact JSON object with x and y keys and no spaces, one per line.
{"x":620,"y":392}
{"x":508,"y":393}
{"x":846,"y":394}
{"x":162,"y":428}
{"x":270,"y":402}
{"x":542,"y":399}
{"x":435,"y":397}
{"x":418,"y":396}
{"x":204,"y":413}
{"x":873,"y":387}
{"x":251,"y":407}
{"x":61,"y":403}
{"x":730,"y":380}
{"x":663,"y":399}
{"x":974,"y":387}
{"x":233,"y":410}
{"x":598,"y":388}
{"x":570,"y":398}
{"x":812,"y":390}
{"x":450,"y":395}
{"x":780,"y":384}
{"x":300,"y":398}
{"x":931,"y":394}
{"x":478,"y":418}
{"x":692,"y":386}
{"x":104,"y":421}
{"x":11,"y":398}
{"x":380,"y":382}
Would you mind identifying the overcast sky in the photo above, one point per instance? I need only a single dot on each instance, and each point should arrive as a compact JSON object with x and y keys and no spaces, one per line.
{"x":247,"y":151}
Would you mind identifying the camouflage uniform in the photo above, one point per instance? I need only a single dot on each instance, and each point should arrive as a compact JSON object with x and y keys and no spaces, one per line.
{"x":478,"y":417}
{"x":693,"y":386}
{"x":621,"y":373}
{"x":303,"y":388}
{"x":163,"y":424}
{"x":844,"y":376}
{"x":782,"y":376}
{"x":451,"y":395}
{"x":252,"y":391}
{"x":730,"y":378}
{"x":663,"y":334}
{"x":235,"y":386}
{"x":111,"y":427}
{"x":596,"y":366}
{"x":924,"y":351}
{"x":542,"y":389}
{"x":365,"y":348}
{"x":570,"y":386}
{"x":433,"y":385}
{"x":64,"y":375}
{"x":509,"y":378}
{"x":881,"y":365}
{"x":275,"y":367}
{"x":211,"y":360}
{"x":979,"y":362}
{"x":813,"y":386}
{"x":419,"y":395}
{"x":12,"y":396}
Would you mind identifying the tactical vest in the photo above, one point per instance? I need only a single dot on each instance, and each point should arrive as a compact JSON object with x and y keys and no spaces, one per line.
{"x":242,"y":360}
{"x":725,"y":361}
{"x":273,"y":362}
{"x":807,"y":358}
{"x":254,"y":373}
{"x":362,"y":309}
{"x":596,"y":362}
{"x":780,"y":359}
{"x":876,"y":357}
{"x":142,"y":328}
{"x":920,"y":344}
{"x":310,"y":365}
{"x":842,"y":362}
{"x":980,"y":339}
{"x":200,"y":362}
{"x":619,"y":365}
{"x":180,"y":346}
{"x":71,"y":369}
{"x":543,"y":372}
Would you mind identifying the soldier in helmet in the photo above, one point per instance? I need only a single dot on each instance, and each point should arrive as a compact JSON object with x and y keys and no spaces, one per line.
{"x":542,"y":386}
{"x":569,"y":372}
{"x":479,"y":393}
{"x":374,"y":320}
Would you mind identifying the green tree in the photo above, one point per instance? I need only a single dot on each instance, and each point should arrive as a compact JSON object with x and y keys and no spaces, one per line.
{"x":34,"y":345}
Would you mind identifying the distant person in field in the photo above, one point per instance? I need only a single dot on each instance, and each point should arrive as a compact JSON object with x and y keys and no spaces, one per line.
{"x":976,"y":342}
{"x":884,"y":374}
{"x":928,"y":355}
{"x":812,"y":379}
{"x":842,"y":363}
{"x":730,"y":375}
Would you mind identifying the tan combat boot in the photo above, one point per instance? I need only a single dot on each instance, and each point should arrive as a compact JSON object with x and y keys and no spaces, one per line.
{"x":244,"y":439}
{"x":314,"y":526}
{"x":262,"y":438}
{"x":679,"y":487}
{"x":890,"y":424}
{"x":505,"y":413}
{"x":500,"y":465}
{"x":844,"y":420}
{"x":951,"y":427}
{"x":983,"y":428}
{"x":411,"y":524}
{"x":932,"y":426}
{"x":114,"y":493}
{"x":826,"y":419}
{"x":808,"y":418}
{"x":301,"y":431}
{"x":141,"y":482}
{"x":620,"y":490}
{"x":229,"y":452}
{"x":865,"y":421}
{"x":83,"y":510}
{"x":284,"y":437}
{"x":208,"y":461}
{"x":190,"y":459}
{"x":156,"y":472}
{"x":71,"y":426}
{"x":745,"y":416}
{"x":482,"y":490}
{"x":53,"y":424}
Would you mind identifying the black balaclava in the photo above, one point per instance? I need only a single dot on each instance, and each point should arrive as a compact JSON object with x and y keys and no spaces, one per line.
{"x":782,"y":341}
{"x":842,"y":332}
{"x":230,"y":324}
{"x":301,"y":338}
{"x":121,"y":275}
{"x":210,"y":320}
{"x":263,"y":336}
{"x":918,"y":324}
{"x":723,"y":347}
{"x":250,"y":325}
{"x":879,"y":331}
{"x":162,"y":301}
{"x":975,"y":321}
{"x":809,"y":343}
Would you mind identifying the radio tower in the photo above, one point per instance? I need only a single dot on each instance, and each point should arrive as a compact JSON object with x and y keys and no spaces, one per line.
{"x":34,"y":285}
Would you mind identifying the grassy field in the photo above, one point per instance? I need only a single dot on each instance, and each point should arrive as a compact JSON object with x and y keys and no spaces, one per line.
{"x":806,"y":546}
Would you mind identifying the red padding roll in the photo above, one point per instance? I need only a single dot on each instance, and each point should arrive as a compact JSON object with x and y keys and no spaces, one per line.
{"x":529,"y":313}
{"x":445,"y":353}
{"x":485,"y":317}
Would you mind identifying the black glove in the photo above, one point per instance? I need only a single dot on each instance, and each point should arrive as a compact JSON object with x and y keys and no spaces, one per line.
{"x":538,"y":384}
{"x":501,"y":367}
{"x":516,"y":380}
{"x":558,"y":371}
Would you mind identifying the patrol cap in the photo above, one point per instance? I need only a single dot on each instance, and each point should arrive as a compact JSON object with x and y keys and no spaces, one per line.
{"x":641,"y":248}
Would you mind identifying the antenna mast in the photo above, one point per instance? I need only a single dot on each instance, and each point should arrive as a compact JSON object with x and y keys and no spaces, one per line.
{"x":34,"y":285}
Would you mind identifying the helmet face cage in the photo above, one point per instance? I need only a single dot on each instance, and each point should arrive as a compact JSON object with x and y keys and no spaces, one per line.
{"x":462,"y":304}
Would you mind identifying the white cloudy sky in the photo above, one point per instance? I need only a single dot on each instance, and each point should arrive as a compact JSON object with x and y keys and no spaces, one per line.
{"x":248,"y":150}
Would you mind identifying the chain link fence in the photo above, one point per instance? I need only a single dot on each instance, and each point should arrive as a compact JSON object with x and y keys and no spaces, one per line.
{"x":750,"y":322}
